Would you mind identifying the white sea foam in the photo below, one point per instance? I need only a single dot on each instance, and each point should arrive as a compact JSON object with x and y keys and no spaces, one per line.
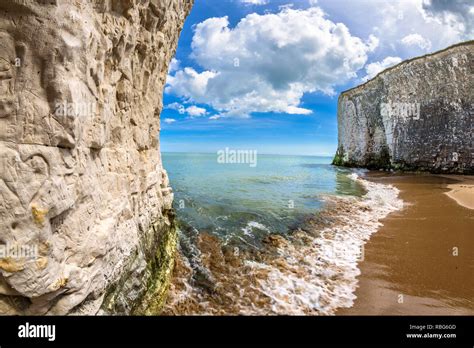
{"x":320,"y":275}
{"x":186,"y":290}
{"x":251,"y":225}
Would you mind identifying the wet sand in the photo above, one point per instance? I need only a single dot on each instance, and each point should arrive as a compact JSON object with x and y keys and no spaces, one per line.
{"x":421,"y":262}
{"x":463,"y":194}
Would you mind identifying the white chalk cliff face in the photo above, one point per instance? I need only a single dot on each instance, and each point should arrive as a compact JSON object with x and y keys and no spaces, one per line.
{"x":86,"y":223}
{"x":417,"y":116}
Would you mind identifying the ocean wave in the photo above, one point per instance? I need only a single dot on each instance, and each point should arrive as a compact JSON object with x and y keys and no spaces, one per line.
{"x":320,"y":275}
{"x":311,"y":271}
{"x":251,"y":225}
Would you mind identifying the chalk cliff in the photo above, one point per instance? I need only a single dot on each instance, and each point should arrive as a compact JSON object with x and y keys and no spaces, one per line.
{"x":417,"y":115}
{"x":86,"y":220}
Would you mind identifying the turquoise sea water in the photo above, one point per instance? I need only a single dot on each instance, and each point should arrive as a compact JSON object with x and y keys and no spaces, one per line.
{"x":242,"y":204}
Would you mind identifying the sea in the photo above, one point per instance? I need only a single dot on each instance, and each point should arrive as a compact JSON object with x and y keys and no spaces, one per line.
{"x":282,"y":235}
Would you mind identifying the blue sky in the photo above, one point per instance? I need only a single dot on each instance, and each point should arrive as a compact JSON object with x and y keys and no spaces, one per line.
{"x":266,"y":75}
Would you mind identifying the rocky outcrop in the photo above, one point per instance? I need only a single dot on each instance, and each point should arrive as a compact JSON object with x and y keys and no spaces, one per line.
{"x":417,"y":115}
{"x":86,"y":220}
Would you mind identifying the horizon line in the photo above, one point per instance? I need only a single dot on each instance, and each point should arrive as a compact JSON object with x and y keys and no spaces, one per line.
{"x":260,"y":153}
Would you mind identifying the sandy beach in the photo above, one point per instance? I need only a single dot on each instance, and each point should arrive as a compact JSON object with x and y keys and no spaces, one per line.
{"x":422,"y":260}
{"x":463,"y":194}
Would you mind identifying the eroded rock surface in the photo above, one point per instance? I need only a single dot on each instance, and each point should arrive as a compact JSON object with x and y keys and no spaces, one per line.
{"x":82,"y":186}
{"x":418,"y":115}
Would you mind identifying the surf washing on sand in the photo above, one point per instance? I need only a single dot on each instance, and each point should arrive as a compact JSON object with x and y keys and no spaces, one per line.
{"x":283,"y":237}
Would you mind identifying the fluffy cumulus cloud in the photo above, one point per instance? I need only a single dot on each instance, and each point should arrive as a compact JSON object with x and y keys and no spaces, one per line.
{"x":174,"y":65}
{"x":195,"y":111}
{"x":458,"y":14}
{"x":176,"y":106}
{"x":192,"y":111}
{"x":189,"y":83}
{"x":266,"y":63}
{"x":416,"y":40}
{"x":391,"y":21}
{"x":373,"y":69}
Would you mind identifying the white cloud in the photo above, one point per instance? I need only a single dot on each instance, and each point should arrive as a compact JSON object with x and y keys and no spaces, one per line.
{"x":169,"y":120}
{"x":193,"y":110}
{"x":266,"y":63}
{"x":188,"y":82}
{"x":391,"y":21}
{"x":174,"y":65}
{"x":457,"y":14}
{"x":176,"y":106}
{"x":373,"y":69}
{"x":417,"y":40}
{"x":373,"y":42}
{"x":254,"y":2}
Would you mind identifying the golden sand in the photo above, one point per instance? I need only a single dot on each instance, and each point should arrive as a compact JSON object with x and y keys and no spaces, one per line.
{"x":463,"y":194}
{"x":421,"y":261}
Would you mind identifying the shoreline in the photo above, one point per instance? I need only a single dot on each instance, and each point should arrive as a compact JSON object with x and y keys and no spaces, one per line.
{"x":408,"y":226}
{"x":313,"y":270}
{"x":420,"y":261}
{"x":462,"y":194}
